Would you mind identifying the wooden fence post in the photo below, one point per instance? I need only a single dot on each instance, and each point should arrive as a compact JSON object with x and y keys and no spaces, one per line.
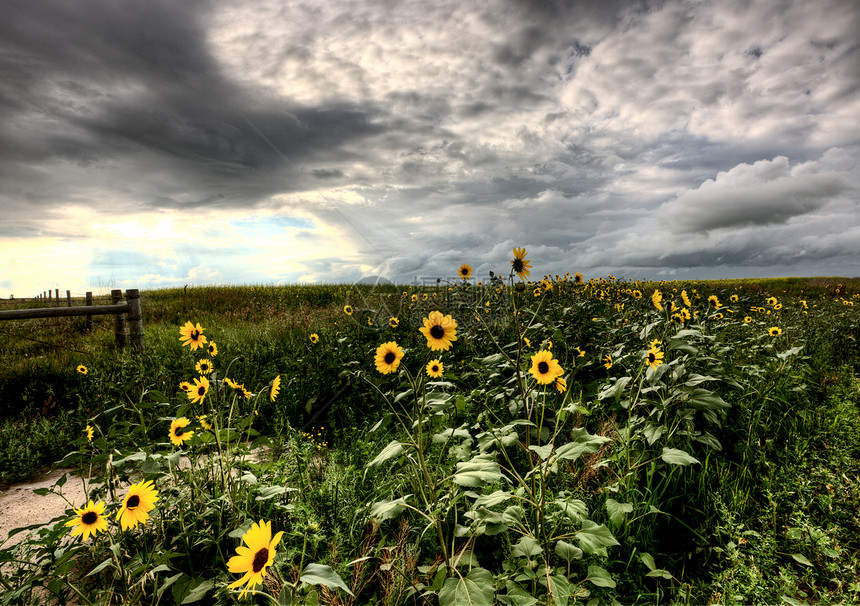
{"x":89,"y":318}
{"x":57,"y":295}
{"x":69,"y":298}
{"x":118,"y":320}
{"x":135,"y":319}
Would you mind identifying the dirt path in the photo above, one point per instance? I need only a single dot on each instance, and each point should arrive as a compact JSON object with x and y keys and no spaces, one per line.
{"x":20,"y":506}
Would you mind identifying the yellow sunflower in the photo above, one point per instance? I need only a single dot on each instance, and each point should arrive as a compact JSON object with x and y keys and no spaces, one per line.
{"x":772,"y":301}
{"x":212,"y":349}
{"x":545,"y":368}
{"x":685,"y":298}
{"x":198,"y":390}
{"x":774,"y":331}
{"x":439,"y":331}
{"x":434,"y":368}
{"x":520,"y":264}
{"x":186,"y":386}
{"x":733,"y":299}
{"x":254,"y":556}
{"x":204,"y":422}
{"x":577,"y":278}
{"x":192,"y":335}
{"x":637,"y":294}
{"x":89,"y":432}
{"x":137,"y":504}
{"x":89,"y":520}
{"x":276,"y":388}
{"x":656,"y":298}
{"x":393,"y":322}
{"x":82,"y":369}
{"x":465,"y":271}
{"x":655,"y":356}
{"x":177,"y":433}
{"x":560,"y":384}
{"x":747,"y":319}
{"x":714,"y":302}
{"x":607,"y":361}
{"x":314,"y":338}
{"x":204,"y":366}
{"x":388,"y":356}
{"x":347,"y":309}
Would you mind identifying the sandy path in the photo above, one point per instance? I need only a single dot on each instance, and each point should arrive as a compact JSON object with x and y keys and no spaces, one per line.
{"x":20,"y":506}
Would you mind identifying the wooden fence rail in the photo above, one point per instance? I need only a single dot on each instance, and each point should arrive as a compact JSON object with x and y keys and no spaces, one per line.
{"x":122,"y":311}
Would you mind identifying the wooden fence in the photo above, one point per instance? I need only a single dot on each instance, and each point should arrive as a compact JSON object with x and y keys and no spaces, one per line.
{"x":124,"y":313}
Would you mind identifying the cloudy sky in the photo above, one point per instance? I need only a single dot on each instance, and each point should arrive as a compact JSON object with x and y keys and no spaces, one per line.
{"x":162,"y":143}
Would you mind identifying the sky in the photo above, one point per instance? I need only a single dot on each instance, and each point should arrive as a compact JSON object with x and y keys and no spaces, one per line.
{"x":161,"y":143}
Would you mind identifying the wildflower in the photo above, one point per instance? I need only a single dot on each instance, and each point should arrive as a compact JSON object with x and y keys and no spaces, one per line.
{"x":82,"y":369}
{"x":545,"y":368}
{"x":393,"y":322}
{"x":685,"y":298}
{"x":537,"y":292}
{"x":276,"y":387}
{"x":177,"y":433}
{"x":607,"y":361}
{"x":89,"y":520}
{"x":137,"y":504}
{"x":186,"y":386}
{"x":439,"y":331}
{"x":774,"y":331}
{"x":204,"y":367}
{"x":204,"y":422}
{"x":656,"y":298}
{"x":577,"y":278}
{"x":637,"y":294}
{"x":192,"y":335}
{"x":747,"y":319}
{"x":520,"y":264}
{"x":212,"y":349}
{"x":388,"y":356}
{"x":714,"y":302}
{"x":527,"y":342}
{"x":772,"y":301}
{"x":465,"y":271}
{"x":733,"y":298}
{"x":414,"y":298}
{"x":347,"y":309}
{"x":580,"y":353}
{"x":434,"y":368}
{"x":198,"y":390}
{"x":253,"y":557}
{"x":655,"y":356}
{"x":560,"y":384}
{"x":89,"y":432}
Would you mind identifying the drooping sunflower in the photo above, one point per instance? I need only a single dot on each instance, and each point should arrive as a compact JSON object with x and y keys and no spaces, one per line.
{"x":560,"y":384}
{"x":545,"y":368}
{"x":178,"y":435}
{"x":465,"y":271}
{"x":774,"y":331}
{"x":137,"y":504}
{"x":685,"y":298}
{"x":254,"y":556}
{"x":388,"y":356}
{"x":199,"y":390}
{"x":434,"y":368}
{"x":656,"y":298}
{"x":440,"y":331}
{"x":192,"y":335}
{"x":204,"y":422}
{"x":82,"y":369}
{"x":212,"y":349}
{"x":655,"y":355}
{"x":520,"y":264}
{"x":607,"y":361}
{"x":204,"y":366}
{"x":89,"y":520}
{"x":276,"y":388}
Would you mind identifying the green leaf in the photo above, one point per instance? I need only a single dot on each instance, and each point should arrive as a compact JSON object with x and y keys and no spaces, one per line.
{"x":677,"y":457}
{"x":695,"y":379}
{"x":494,"y":498}
{"x":567,"y":551}
{"x":617,"y":511}
{"x":574,"y":509}
{"x":526,"y":547}
{"x":582,"y":443}
{"x":560,"y":589}
{"x":516,"y":596}
{"x":394,"y":449}
{"x":542,"y":451}
{"x":166,"y":584}
{"x":482,"y":468}
{"x":595,"y":538}
{"x":599,"y":576}
{"x":199,"y":591}
{"x":320,"y":574}
{"x":615,"y":390}
{"x":801,"y":559}
{"x":475,"y":589}
{"x":382,"y":510}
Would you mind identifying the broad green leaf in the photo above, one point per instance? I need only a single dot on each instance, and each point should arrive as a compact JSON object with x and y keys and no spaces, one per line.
{"x":648,"y":560}
{"x":617,"y":511}
{"x":516,"y":596}
{"x":382,"y":510}
{"x":695,"y":379}
{"x":482,"y":468}
{"x":542,"y":451}
{"x":494,"y":498}
{"x":394,"y":449}
{"x":199,"y":591}
{"x":599,"y":576}
{"x":445,"y":435}
{"x":475,"y":589}
{"x":615,"y":390}
{"x":677,"y":457}
{"x":574,"y":509}
{"x":560,"y":589}
{"x":320,"y":574}
{"x":595,"y":538}
{"x":166,"y":584}
{"x":801,"y":559}
{"x":567,"y":551}
{"x":526,"y":547}
{"x":582,"y":443}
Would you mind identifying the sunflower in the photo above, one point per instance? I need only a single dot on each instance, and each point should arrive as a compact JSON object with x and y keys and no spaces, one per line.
{"x":560,"y":384}
{"x":89,"y":432}
{"x":774,"y":331}
{"x":192,"y":335}
{"x":82,"y":369}
{"x":577,"y":278}
{"x":89,"y":520}
{"x":714,"y":302}
{"x":253,"y":557}
{"x":655,"y":356}
{"x":388,"y":356}
{"x":177,"y":433}
{"x":204,"y":422}
{"x":465,"y":271}
{"x":204,"y":366}
{"x":685,"y":298}
{"x":198,"y":390}
{"x":637,"y":294}
{"x":137,"y":504}
{"x":347,"y":309}
{"x":656,"y":298}
{"x":748,"y":319}
{"x":439,"y":331}
{"x":186,"y":386}
{"x":276,"y":387}
{"x":580,"y":353}
{"x":772,"y":301}
{"x":315,"y":338}
{"x":393,"y":322}
{"x":520,"y":264}
{"x":545,"y":368}
{"x":527,"y":342}
{"x":607,"y":361}
{"x":434,"y":368}
{"x":212,"y":349}
{"x":733,"y":298}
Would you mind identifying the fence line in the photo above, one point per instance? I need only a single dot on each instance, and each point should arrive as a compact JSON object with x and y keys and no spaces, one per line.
{"x":119,"y":309}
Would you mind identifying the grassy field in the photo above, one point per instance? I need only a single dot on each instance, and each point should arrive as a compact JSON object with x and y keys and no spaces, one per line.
{"x":546,"y":442}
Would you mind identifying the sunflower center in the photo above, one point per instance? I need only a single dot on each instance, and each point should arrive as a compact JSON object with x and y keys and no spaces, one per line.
{"x":390,"y":357}
{"x":543,"y":368}
{"x":437,"y":332}
{"x":435,"y":368}
{"x":90,"y":517}
{"x":518,"y":265}
{"x":652,"y":357}
{"x":195,"y":334}
{"x":133,"y":502}
{"x":179,"y":431}
{"x":260,"y":559}
{"x":201,"y":391}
